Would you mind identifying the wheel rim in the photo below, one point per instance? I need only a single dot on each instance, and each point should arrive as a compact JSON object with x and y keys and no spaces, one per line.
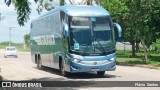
{"x":39,"y":64}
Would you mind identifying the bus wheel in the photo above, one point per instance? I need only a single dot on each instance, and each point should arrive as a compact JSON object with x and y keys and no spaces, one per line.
{"x":100,"y":73}
{"x":62,"y":69}
{"x":39,"y":64}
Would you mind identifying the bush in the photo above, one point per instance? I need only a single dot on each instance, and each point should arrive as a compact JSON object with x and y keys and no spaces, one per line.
{"x":155,"y":47}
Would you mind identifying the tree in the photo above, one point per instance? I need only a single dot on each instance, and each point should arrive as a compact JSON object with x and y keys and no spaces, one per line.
{"x":132,"y":30}
{"x":27,"y":39}
{"x":99,"y":2}
{"x":140,"y":20}
{"x":23,"y":9}
{"x":121,"y":14}
{"x":148,"y":23}
{"x":47,"y":4}
{"x":62,"y":2}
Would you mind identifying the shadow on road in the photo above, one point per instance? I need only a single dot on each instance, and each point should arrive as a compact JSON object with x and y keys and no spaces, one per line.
{"x":89,"y":75}
{"x":65,"y":84}
{"x":50,"y":70}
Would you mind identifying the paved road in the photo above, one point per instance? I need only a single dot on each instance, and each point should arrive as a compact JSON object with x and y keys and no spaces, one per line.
{"x":22,"y":68}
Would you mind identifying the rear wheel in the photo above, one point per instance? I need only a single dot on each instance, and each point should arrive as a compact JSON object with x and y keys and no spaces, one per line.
{"x":62,"y":69}
{"x":39,"y":64}
{"x":100,"y":73}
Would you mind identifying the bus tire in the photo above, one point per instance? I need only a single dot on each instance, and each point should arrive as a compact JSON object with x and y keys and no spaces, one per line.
{"x":39,"y":64}
{"x":62,"y":69}
{"x":100,"y":73}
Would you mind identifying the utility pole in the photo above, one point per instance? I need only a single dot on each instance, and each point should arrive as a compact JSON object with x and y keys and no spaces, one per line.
{"x":10,"y":28}
{"x":24,"y":45}
{"x":1,"y":17}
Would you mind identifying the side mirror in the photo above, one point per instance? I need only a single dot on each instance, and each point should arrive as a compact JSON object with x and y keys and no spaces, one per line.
{"x":66,"y":30}
{"x":119,"y":39}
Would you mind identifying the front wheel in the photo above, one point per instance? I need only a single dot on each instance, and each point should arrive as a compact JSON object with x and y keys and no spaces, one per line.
{"x":100,"y":73}
{"x":62,"y":69}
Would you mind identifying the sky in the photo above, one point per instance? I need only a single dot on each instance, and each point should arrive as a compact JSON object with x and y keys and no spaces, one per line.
{"x":10,"y":20}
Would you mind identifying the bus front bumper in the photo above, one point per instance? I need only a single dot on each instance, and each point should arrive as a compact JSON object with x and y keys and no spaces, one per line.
{"x":79,"y":67}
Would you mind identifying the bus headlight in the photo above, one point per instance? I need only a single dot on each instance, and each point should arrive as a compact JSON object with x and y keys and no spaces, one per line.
{"x":76,"y":60}
{"x":112,"y":59}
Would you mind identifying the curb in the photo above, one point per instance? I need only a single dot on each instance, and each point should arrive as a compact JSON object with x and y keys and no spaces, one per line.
{"x":138,"y":65}
{"x":1,"y":78}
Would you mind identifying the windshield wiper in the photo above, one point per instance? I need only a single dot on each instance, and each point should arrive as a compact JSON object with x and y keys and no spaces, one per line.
{"x":86,"y":48}
{"x":101,"y":47}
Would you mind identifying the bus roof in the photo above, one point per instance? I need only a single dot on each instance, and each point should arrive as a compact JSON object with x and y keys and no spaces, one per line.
{"x":81,"y":10}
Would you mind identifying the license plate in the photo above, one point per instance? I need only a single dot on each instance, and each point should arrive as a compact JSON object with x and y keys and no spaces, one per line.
{"x":95,"y":69}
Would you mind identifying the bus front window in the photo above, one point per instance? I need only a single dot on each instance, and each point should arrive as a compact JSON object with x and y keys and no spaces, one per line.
{"x":91,"y":34}
{"x":80,"y":32}
{"x":103,"y":33}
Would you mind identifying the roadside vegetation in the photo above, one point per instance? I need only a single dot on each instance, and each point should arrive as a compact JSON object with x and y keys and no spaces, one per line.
{"x":19,"y":46}
{"x":126,"y":58}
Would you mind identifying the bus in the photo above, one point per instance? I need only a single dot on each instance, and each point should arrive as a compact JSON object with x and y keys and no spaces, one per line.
{"x":75,"y":39}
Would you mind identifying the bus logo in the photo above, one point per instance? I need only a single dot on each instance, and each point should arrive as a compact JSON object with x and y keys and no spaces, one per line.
{"x":6,"y":84}
{"x":95,"y":63}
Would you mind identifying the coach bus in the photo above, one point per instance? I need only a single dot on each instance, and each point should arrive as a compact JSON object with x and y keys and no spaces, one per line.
{"x":75,"y":39}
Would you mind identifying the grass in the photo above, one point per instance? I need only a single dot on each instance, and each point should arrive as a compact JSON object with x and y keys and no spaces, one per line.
{"x":21,"y":48}
{"x":154,"y":60}
{"x":125,"y":58}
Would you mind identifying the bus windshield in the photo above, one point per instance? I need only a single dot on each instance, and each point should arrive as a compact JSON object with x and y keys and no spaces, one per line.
{"x":91,"y":34}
